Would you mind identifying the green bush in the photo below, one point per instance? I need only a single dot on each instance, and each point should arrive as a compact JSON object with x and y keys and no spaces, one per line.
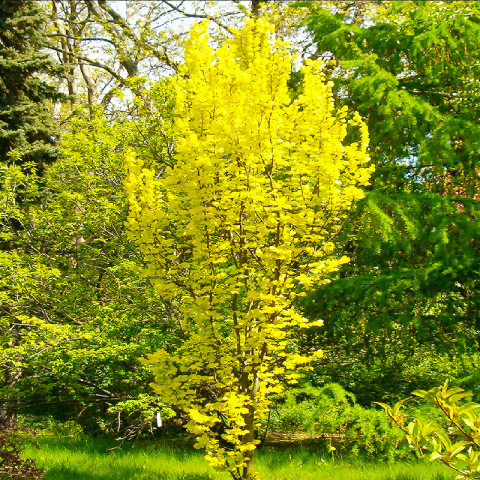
{"x":452,"y":437}
{"x":50,"y":426}
{"x":12,"y":442}
{"x":390,"y":378}
{"x":332,"y":414}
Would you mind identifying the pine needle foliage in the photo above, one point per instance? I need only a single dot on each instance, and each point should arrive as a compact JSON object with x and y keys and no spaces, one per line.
{"x":412,"y":71}
{"x":27,"y":129}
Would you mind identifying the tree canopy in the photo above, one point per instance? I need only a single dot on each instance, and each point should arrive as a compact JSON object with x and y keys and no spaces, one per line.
{"x":239,"y":226}
{"x":411,"y":70}
{"x":27,"y":129}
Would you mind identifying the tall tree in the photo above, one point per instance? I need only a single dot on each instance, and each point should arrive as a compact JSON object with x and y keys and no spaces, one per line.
{"x":107,"y":46}
{"x":411,"y":69}
{"x":238,"y":228}
{"x":27,"y":138}
{"x":27,"y":129}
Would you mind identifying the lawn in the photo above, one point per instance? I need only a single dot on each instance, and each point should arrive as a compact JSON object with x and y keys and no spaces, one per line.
{"x":93,"y":459}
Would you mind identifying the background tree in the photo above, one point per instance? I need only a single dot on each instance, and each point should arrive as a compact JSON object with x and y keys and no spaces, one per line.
{"x":108,"y":46}
{"x":411,"y":70}
{"x":27,"y":129}
{"x":27,"y":137}
{"x":239,"y":226}
{"x":104,"y":45}
{"x":82,"y":317}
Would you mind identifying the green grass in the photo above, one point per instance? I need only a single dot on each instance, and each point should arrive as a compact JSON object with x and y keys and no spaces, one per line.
{"x":84,"y":458}
{"x":91,"y":459}
{"x":305,"y":465}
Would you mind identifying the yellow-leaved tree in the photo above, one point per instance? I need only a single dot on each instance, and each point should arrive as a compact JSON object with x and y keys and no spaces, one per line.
{"x":240,"y":227}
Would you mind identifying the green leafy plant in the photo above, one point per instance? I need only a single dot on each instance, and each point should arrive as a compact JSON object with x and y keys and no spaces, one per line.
{"x":411,"y":71}
{"x":133,"y":418}
{"x":454,"y":439}
{"x":239,"y":228}
{"x":332,"y":414}
{"x":12,"y":465}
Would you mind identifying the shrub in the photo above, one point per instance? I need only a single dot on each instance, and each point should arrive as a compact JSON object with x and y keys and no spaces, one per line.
{"x":451,"y":437}
{"x":331,"y":413}
{"x":12,"y":466}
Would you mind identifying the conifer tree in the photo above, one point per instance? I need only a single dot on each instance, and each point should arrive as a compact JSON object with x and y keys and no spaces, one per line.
{"x":27,"y":137}
{"x":411,"y":70}
{"x":27,"y":130}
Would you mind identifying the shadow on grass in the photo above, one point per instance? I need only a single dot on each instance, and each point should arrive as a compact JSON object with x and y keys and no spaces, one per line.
{"x":120,"y":474}
{"x":103,"y":446}
{"x":408,"y":476}
{"x":78,"y":444}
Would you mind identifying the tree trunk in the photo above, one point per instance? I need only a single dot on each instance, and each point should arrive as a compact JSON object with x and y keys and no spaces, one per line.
{"x":249,"y":438}
{"x":251,"y":390}
{"x":255,"y":6}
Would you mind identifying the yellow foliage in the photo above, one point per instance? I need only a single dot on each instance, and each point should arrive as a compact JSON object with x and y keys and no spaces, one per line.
{"x":240,"y":225}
